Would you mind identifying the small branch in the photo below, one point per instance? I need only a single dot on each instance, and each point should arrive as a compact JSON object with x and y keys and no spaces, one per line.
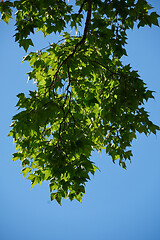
{"x":69,"y":76}
{"x":69,"y":105}
{"x":56,"y":79}
{"x":81,"y":8}
{"x":77,"y":45}
{"x":67,"y":89}
{"x":102,"y":65}
{"x":85,"y":30}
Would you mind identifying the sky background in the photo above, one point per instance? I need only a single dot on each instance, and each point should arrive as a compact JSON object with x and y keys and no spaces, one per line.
{"x":118,"y":204}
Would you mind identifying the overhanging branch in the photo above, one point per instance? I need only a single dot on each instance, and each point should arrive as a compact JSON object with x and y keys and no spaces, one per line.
{"x":76,"y":46}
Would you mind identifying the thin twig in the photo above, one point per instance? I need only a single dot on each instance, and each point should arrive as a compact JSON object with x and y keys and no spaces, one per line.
{"x":81,"y":8}
{"x":52,"y":44}
{"x":67,"y":88}
{"x":102,"y":65}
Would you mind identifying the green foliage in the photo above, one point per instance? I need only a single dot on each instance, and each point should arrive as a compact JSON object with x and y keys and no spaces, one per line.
{"x":86,"y":99}
{"x":6,"y":10}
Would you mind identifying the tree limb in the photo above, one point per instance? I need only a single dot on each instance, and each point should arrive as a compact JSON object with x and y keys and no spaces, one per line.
{"x":77,"y":45}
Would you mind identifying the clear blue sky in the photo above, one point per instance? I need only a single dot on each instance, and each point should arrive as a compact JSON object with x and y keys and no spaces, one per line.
{"x":118,"y":204}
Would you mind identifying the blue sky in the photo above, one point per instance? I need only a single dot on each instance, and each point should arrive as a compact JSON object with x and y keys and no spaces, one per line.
{"x":118,"y":204}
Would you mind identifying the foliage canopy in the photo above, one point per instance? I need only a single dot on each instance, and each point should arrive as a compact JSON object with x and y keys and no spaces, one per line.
{"x":85,"y":99}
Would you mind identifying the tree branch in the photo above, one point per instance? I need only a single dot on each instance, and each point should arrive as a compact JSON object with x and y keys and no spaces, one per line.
{"x":81,"y":8}
{"x":77,"y":45}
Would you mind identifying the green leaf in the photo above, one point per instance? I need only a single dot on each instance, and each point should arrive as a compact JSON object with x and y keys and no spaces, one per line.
{"x":6,"y":11}
{"x":154,"y":18}
{"x":57,"y":196}
{"x":17,"y":156}
{"x":31,"y":177}
{"x":25,"y":171}
{"x":47,"y":173}
{"x":34,"y":181}
{"x":25,"y":43}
